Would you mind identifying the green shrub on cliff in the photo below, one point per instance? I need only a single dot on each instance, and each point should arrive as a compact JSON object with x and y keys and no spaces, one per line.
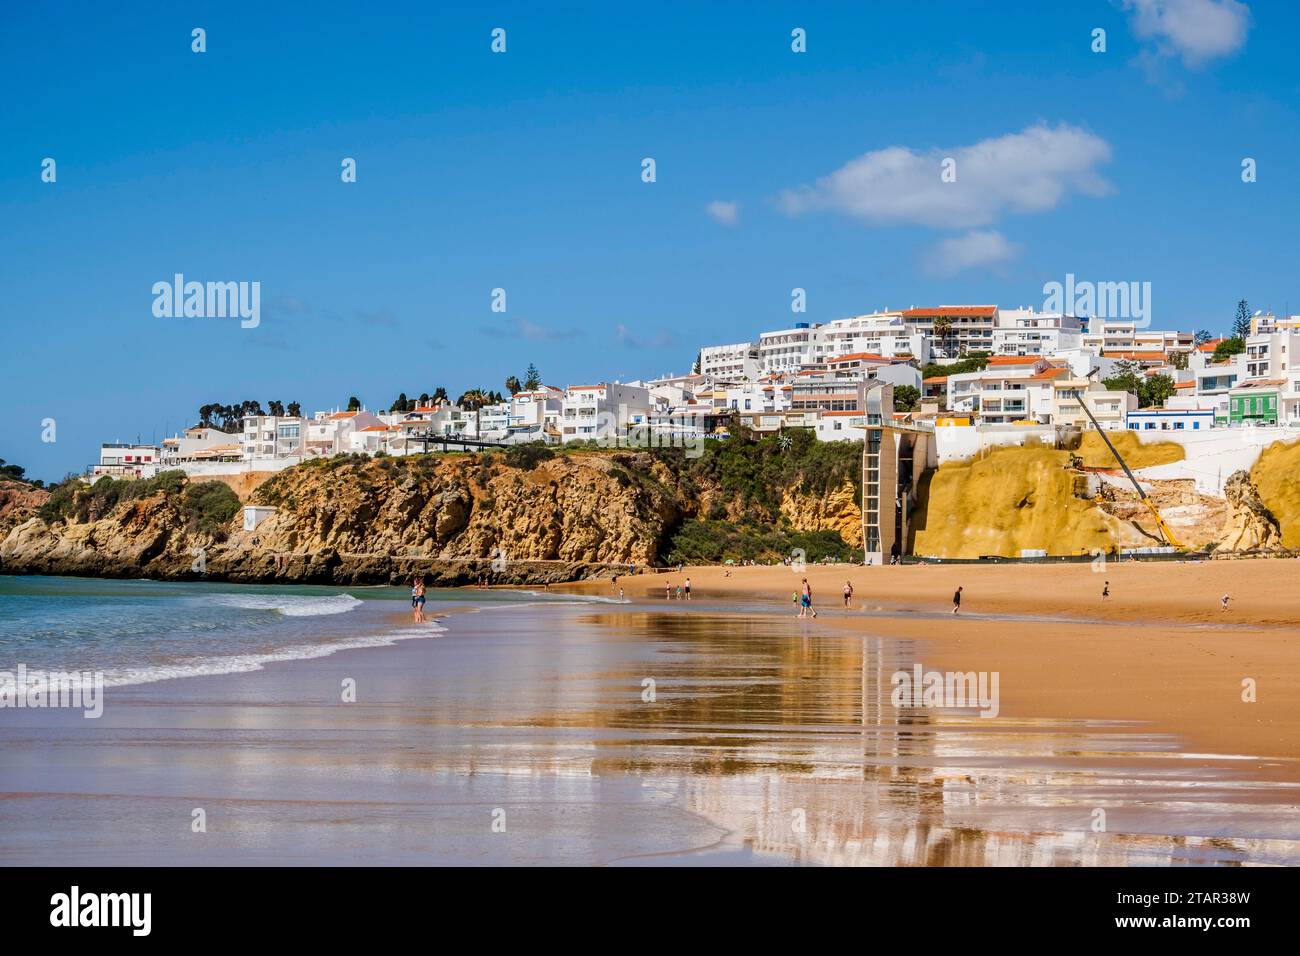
{"x":711,"y":542}
{"x":209,"y":506}
{"x":74,"y":500}
{"x":757,"y":473}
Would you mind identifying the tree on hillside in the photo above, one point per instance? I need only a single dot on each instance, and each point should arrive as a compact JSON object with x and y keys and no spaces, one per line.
{"x":401,"y":404}
{"x":15,"y":472}
{"x":906,"y":397}
{"x":513,"y":386}
{"x":473,"y":401}
{"x":532,"y":378}
{"x":1241,"y":324}
{"x":975,"y":362}
{"x":275,"y":408}
{"x":295,"y":410}
{"x":1157,"y":389}
{"x":1127,"y":378}
{"x":699,"y":360}
{"x":1202,"y":336}
{"x":1178,"y":360}
{"x":1228,"y":348}
{"x":354,"y":404}
{"x":439,"y":395}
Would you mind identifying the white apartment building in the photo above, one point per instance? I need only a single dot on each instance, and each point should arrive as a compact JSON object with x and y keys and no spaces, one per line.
{"x":1110,"y":408}
{"x":603,"y":412}
{"x":886,"y":334}
{"x":328,"y":433}
{"x":187,"y":445}
{"x":1026,"y":332}
{"x":273,"y":436}
{"x":955,"y":330}
{"x":1215,"y":378}
{"x":1263,"y":323}
{"x":122,"y":460}
{"x":1123,"y":335}
{"x":735,"y":363}
{"x":1000,"y":393}
{"x":535,"y":416}
{"x":787,"y":349}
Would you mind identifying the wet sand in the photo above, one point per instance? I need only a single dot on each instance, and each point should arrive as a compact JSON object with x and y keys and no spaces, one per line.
{"x":1158,"y":650}
{"x":525,"y":735}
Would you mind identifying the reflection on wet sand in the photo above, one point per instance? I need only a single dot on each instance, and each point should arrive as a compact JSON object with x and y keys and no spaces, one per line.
{"x":794,"y":747}
{"x":768,"y":741}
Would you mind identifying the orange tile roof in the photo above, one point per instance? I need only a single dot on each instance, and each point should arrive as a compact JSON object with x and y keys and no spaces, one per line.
{"x":1138,"y":356}
{"x":1015,"y":359}
{"x":1049,"y":373}
{"x":934,"y":378}
{"x":337,"y":415}
{"x":1184,"y":384}
{"x":1210,"y":346}
{"x":982,"y":311}
{"x":865,"y":356}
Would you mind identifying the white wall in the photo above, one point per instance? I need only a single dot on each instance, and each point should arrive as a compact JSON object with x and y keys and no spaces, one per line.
{"x":1212,"y":456}
{"x":958,"y":442}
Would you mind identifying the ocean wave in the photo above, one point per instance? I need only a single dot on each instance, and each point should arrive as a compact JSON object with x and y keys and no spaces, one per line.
{"x":291,"y":605}
{"x":243,"y":663}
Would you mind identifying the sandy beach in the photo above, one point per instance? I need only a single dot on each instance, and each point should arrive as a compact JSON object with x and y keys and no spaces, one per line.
{"x":580,"y":730}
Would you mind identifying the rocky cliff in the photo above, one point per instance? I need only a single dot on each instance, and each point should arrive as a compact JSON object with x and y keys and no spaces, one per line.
{"x":456,"y":518}
{"x":1248,"y":524}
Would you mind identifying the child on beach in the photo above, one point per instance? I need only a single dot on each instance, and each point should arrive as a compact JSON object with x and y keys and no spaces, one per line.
{"x":1105,"y":591}
{"x":1223,"y":606}
{"x":848,"y":592}
{"x":956,"y":600}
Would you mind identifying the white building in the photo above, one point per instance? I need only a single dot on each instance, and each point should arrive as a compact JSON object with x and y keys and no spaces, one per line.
{"x":121,"y":460}
{"x":1110,"y":408}
{"x":886,"y":334}
{"x":786,"y":350}
{"x":735,"y":363}
{"x":1026,"y":332}
{"x":603,"y":412}
{"x":273,"y":436}
{"x":329,"y":433}
{"x":185,"y":446}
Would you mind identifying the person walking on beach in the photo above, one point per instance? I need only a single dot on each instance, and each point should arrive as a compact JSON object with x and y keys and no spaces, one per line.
{"x":417,"y":600}
{"x":688,"y":589}
{"x":668,"y":590}
{"x":805,"y":598}
{"x":1105,"y":591}
{"x":620,"y":594}
{"x":956,"y":600}
{"x":1223,"y":604}
{"x":848,"y":593}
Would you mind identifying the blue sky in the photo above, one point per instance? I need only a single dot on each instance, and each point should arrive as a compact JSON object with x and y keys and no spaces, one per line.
{"x":522,"y":171}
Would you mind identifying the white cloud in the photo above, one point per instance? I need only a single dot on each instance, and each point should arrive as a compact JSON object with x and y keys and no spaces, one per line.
{"x":1196,"y":30}
{"x":723,"y":213}
{"x":1030,"y":171}
{"x":977,"y":248}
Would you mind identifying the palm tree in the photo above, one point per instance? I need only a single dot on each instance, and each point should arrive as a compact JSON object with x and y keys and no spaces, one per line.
{"x":473,"y":401}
